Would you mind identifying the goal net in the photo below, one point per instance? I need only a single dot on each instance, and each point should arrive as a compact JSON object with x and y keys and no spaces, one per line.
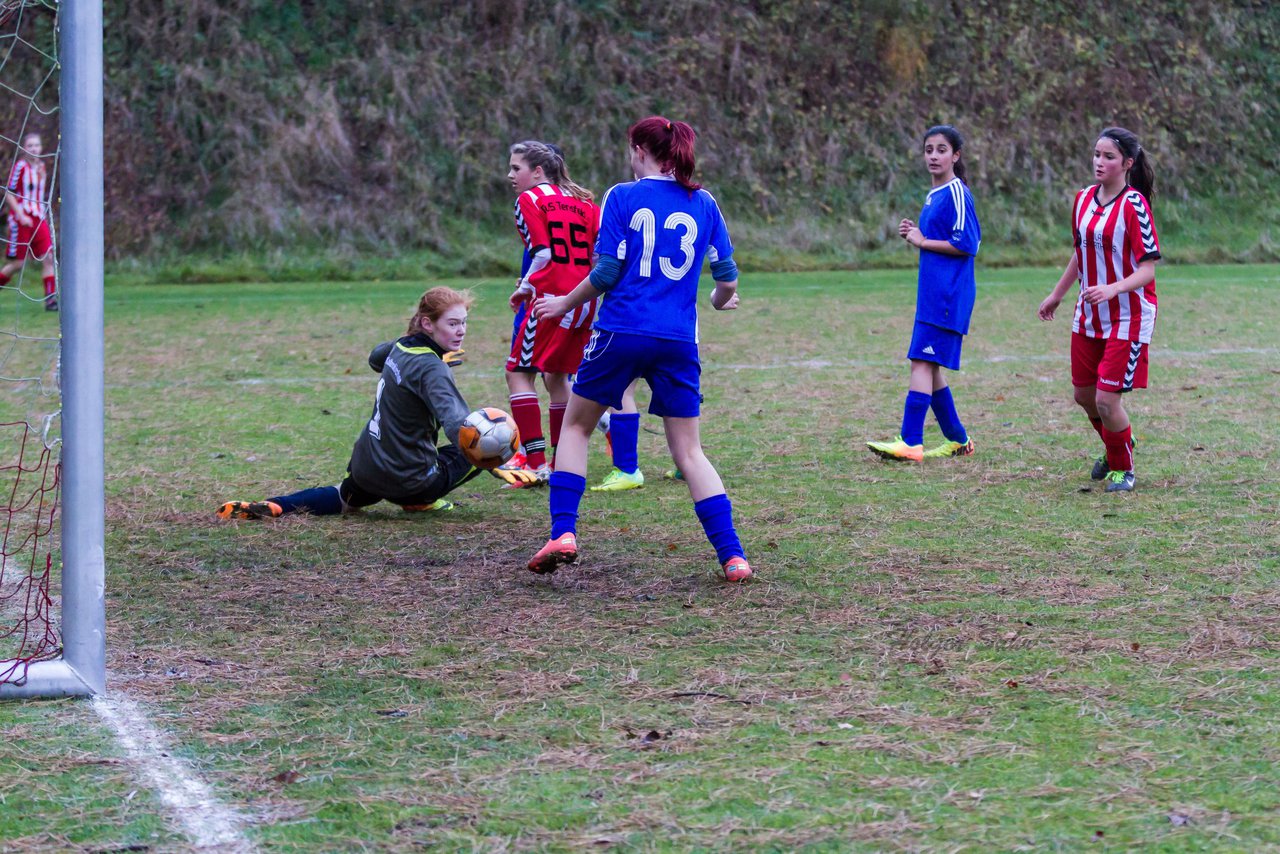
{"x":30,"y":403}
{"x":52,"y":620}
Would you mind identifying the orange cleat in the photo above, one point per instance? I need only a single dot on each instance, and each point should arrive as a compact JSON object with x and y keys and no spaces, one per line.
{"x":563,"y":549}
{"x":250,"y":510}
{"x":736,"y":569}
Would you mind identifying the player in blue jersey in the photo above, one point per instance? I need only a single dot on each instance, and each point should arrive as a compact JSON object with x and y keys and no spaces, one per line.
{"x":647,"y":327}
{"x":947,"y":237}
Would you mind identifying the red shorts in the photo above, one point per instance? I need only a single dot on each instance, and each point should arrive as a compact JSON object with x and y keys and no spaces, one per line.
{"x":554,"y":345}
{"x":1111,"y":364}
{"x":21,"y":237}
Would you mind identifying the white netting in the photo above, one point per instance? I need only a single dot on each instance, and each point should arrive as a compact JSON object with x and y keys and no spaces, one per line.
{"x":30,"y":403}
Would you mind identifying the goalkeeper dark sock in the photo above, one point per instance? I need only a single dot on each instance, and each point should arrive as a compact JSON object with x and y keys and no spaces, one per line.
{"x":318,"y":501}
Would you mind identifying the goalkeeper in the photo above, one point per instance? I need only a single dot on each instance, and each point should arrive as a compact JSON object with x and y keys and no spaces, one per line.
{"x":396,"y":457}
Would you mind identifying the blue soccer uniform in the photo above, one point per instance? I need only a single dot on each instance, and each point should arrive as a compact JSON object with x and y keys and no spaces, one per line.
{"x":655,"y":234}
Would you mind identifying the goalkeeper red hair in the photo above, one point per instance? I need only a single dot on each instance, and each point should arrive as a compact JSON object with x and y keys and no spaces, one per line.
{"x":670,"y":143}
{"x":436,"y":302}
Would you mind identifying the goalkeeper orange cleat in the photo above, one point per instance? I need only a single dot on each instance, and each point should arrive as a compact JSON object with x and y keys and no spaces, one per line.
{"x":250,"y":510}
{"x":563,"y":549}
{"x":736,"y":569}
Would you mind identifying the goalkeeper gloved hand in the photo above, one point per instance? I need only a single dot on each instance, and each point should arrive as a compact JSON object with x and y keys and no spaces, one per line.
{"x":515,"y":477}
{"x":454,"y":358}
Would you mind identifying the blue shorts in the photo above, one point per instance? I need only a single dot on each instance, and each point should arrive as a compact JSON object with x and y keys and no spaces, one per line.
{"x":931,"y":343}
{"x":613,"y":360}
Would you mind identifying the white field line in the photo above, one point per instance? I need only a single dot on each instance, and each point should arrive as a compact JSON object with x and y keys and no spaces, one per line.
{"x":207,"y":823}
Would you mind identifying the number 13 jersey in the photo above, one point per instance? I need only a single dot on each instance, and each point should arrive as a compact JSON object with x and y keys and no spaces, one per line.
{"x":661,"y":232}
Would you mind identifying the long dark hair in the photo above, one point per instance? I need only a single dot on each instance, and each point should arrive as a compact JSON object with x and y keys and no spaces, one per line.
{"x":1140,"y":175}
{"x":551,"y":159}
{"x":954,"y":139}
{"x":670,"y":143}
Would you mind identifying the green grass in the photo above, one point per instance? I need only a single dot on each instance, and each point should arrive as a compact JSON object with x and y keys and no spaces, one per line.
{"x":985,"y":653}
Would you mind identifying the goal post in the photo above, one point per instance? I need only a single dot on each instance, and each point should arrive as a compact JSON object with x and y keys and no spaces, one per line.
{"x":81,"y":670}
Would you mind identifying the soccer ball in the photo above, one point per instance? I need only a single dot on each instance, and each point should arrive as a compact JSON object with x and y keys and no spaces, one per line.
{"x":488,"y":437}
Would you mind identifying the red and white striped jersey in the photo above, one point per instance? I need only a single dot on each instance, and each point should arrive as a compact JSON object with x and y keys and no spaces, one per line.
{"x":27,"y":184}
{"x":1112,"y":238}
{"x":547,"y":216}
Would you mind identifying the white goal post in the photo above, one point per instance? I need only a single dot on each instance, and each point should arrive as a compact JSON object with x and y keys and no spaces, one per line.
{"x":81,"y":670}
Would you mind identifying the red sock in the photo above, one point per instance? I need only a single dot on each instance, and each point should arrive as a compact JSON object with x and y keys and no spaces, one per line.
{"x":1097,"y":425}
{"x":49,"y":286}
{"x":528,"y":416}
{"x":1119,"y":449}
{"x":555,"y":412}
{"x":4,"y":280}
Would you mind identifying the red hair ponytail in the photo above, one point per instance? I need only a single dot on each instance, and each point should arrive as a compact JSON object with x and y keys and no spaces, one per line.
{"x":670,"y":143}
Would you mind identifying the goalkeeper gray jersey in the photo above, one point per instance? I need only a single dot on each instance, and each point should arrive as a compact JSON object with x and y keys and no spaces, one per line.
{"x":396,"y":452}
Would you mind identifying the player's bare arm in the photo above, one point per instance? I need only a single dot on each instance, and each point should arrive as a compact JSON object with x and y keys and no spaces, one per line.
{"x":1054,"y":299}
{"x":553,"y":307}
{"x":16,"y":211}
{"x":724,"y":297}
{"x":1139,"y":278}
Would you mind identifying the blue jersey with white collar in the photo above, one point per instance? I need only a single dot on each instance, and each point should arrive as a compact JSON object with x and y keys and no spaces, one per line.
{"x":661,"y":233}
{"x":946,"y":289}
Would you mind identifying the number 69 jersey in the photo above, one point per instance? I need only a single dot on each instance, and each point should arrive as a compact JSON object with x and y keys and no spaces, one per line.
{"x":661,"y":232}
{"x":549,"y":218}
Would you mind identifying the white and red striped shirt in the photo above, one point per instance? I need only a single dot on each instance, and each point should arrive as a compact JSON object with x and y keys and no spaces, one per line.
{"x":1112,"y":238}
{"x":27,"y":184}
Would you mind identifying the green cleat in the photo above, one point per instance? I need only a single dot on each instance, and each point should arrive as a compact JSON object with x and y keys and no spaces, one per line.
{"x":438,"y":506}
{"x":950,"y":449}
{"x":673,"y":474}
{"x":1120,"y":481}
{"x":618,"y":480}
{"x":897,"y":450}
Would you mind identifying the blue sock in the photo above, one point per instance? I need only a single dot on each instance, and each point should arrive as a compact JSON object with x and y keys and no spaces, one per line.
{"x":318,"y":501}
{"x":716,"y":515}
{"x":913,"y":413}
{"x":944,"y":409}
{"x":566,"y":495}
{"x":624,"y":433}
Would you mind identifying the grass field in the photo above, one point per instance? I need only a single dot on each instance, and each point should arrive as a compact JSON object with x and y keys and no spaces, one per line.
{"x":979,"y":654}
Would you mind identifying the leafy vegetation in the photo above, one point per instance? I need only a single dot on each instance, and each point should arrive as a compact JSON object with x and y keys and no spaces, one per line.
{"x":376,"y":128}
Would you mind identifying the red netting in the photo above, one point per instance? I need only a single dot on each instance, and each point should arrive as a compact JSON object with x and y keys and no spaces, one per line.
{"x":30,"y":476}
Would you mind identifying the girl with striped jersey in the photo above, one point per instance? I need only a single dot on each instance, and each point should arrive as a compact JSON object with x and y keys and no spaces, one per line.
{"x":947,"y":236}
{"x":556,"y":220}
{"x":26,"y":201}
{"x":1116,"y":249}
{"x":648,"y":328}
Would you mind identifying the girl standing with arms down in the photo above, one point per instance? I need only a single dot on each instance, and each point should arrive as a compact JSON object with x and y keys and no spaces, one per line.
{"x":557,"y":221}
{"x":1116,"y":250}
{"x":947,"y":236}
{"x":28,"y":211}
{"x":648,"y":327}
